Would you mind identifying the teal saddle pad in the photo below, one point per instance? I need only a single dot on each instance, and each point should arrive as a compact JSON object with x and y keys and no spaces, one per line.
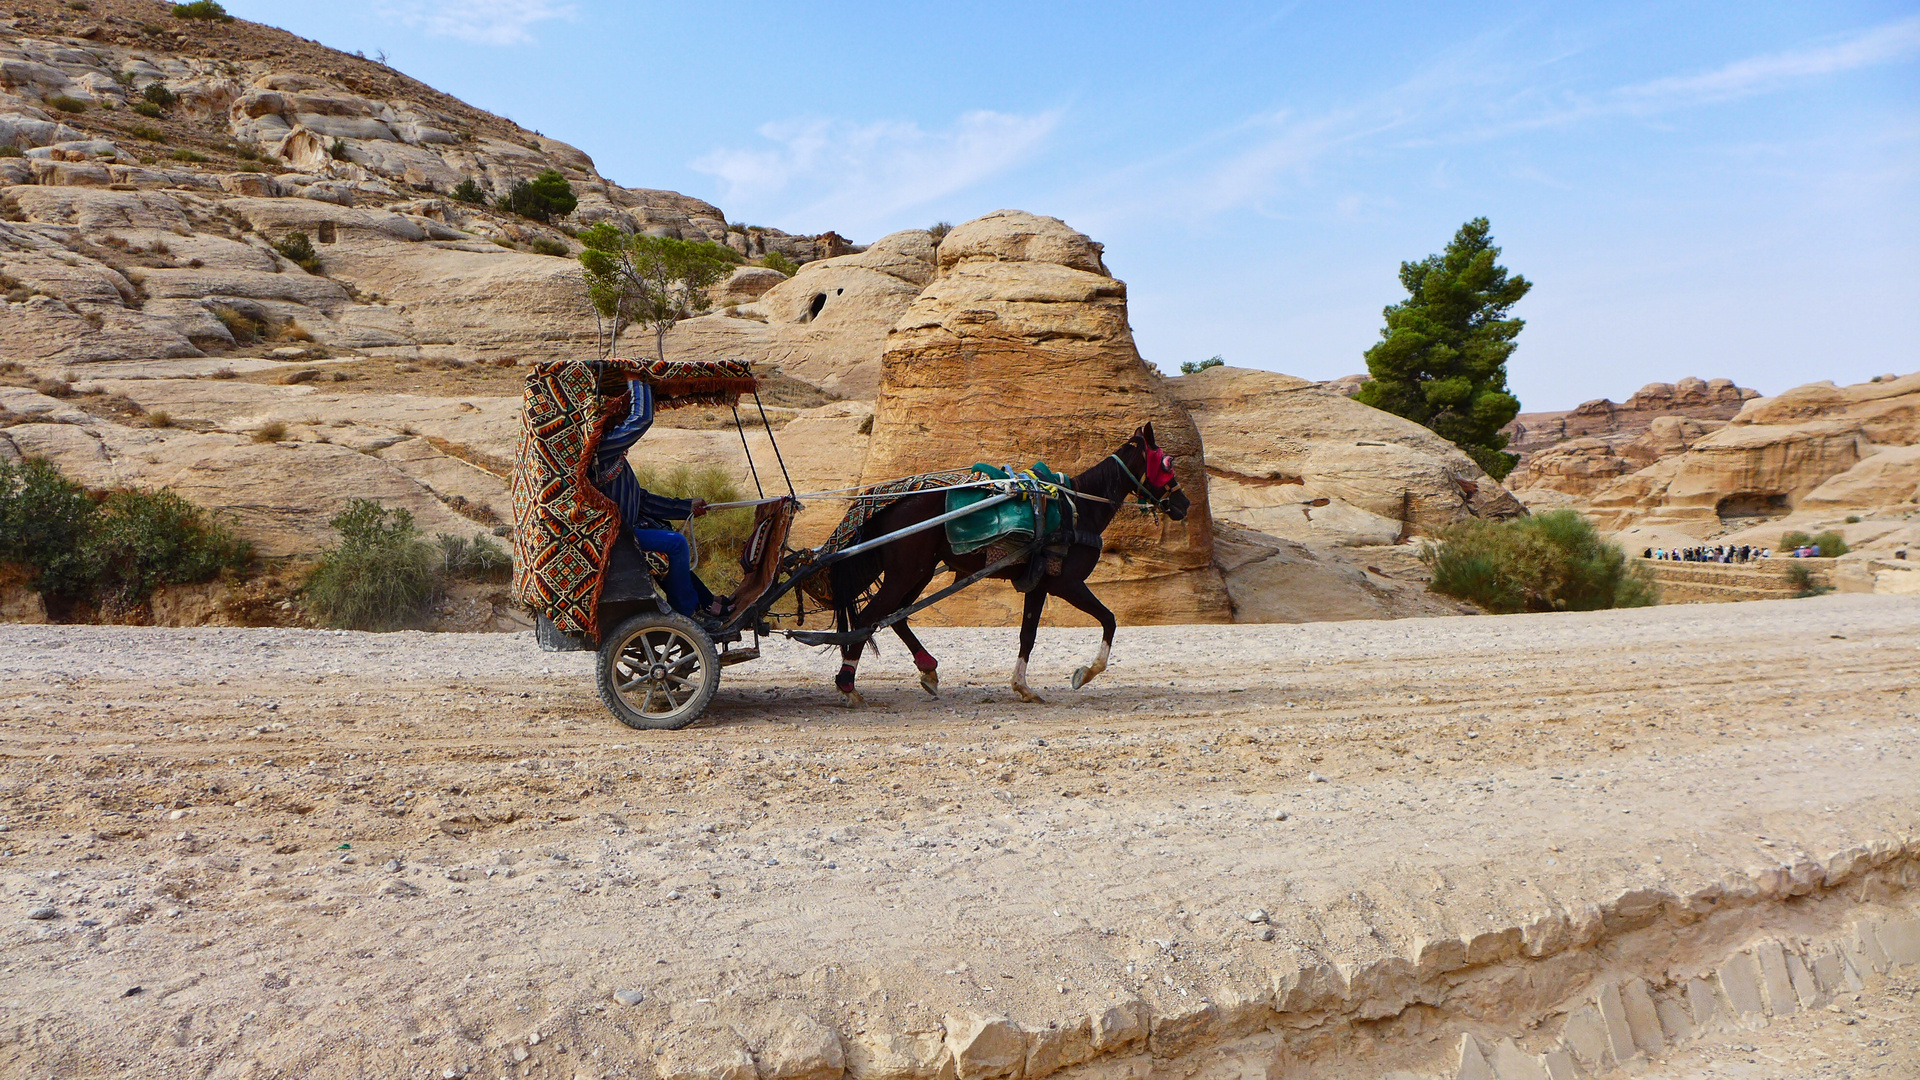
{"x":1012,"y":520}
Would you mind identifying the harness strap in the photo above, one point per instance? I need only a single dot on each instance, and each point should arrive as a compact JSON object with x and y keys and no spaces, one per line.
{"x":1139,"y":488}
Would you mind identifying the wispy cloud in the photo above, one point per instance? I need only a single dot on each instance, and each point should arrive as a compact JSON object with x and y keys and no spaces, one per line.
{"x":862,"y":175}
{"x":1759,"y":74}
{"x":482,"y":22}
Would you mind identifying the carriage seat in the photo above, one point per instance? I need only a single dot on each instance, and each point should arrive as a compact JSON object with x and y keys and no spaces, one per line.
{"x":760,"y":555}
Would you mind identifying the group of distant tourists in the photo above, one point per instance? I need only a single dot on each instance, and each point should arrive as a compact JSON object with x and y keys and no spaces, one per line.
{"x":1719,"y":553}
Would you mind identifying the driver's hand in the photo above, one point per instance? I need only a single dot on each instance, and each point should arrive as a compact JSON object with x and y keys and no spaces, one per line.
{"x":699,"y":507}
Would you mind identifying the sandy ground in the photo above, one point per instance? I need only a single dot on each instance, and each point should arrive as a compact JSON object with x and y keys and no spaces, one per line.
{"x":339,"y":854}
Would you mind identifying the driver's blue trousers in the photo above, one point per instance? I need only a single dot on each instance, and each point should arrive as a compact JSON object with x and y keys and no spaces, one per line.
{"x":684,"y":591}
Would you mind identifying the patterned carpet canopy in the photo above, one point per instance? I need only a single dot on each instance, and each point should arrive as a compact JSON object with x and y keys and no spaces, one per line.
{"x":563,"y":527}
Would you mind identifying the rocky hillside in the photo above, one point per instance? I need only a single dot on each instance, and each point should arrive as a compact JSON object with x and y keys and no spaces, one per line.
{"x":155,"y":168}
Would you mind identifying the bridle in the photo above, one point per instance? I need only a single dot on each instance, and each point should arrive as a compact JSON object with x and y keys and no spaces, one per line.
{"x":1149,"y":502}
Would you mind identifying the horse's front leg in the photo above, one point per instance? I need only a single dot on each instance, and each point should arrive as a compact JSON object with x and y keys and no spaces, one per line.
{"x":1029,"y":629}
{"x":843,"y":682}
{"x":1077,"y":594}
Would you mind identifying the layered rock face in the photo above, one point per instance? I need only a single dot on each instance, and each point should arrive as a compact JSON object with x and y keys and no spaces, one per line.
{"x":1691,"y":398}
{"x":1019,"y":350}
{"x":827,"y":325}
{"x":132,"y":237}
{"x":1816,"y":446}
{"x":1298,"y":460}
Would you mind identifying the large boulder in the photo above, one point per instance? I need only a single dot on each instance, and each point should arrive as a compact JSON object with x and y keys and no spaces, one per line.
{"x":1297,"y":460}
{"x":1020,"y":351}
{"x":827,"y":325}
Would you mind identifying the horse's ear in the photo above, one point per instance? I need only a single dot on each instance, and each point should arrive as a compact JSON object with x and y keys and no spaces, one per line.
{"x":1146,"y":433}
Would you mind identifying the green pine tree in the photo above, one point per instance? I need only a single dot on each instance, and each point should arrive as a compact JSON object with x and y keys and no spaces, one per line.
{"x":1442,"y":358}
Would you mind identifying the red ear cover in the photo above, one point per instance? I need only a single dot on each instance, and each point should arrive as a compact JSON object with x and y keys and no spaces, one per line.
{"x":1159,"y":467}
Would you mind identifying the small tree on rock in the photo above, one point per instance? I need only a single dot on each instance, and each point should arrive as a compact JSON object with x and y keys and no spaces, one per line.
{"x":648,"y":281}
{"x":542,"y":199}
{"x":1442,"y":358}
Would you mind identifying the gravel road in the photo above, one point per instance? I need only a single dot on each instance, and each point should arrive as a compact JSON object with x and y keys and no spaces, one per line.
{"x":341,"y":854}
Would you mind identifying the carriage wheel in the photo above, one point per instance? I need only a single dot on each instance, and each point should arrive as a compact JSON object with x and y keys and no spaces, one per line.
{"x":657,"y":671}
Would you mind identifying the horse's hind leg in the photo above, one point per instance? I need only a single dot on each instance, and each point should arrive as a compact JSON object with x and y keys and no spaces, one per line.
{"x":922,"y":659}
{"x":1029,"y":629}
{"x":843,"y":682}
{"x":1077,"y":594}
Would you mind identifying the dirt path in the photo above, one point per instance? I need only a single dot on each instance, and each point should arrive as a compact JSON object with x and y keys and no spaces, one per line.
{"x":396,"y":855}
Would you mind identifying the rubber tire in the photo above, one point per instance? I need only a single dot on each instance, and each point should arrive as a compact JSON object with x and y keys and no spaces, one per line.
{"x":680,"y":627}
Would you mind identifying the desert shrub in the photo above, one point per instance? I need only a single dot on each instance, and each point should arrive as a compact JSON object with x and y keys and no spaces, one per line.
{"x":145,"y":539}
{"x":542,"y":245}
{"x":773,"y":260}
{"x":1831,"y":544}
{"x":270,"y":432}
{"x":208,"y":10}
{"x":478,"y":559}
{"x":298,"y":249}
{"x":1800,"y":576}
{"x":67,"y":104}
{"x":380,"y":576}
{"x":543,"y":198}
{"x":720,"y":534}
{"x":1853,"y":519}
{"x":939,"y":231}
{"x":467,"y":191}
{"x":1794,"y":538}
{"x":147,"y":132}
{"x":149,"y":110}
{"x":159,"y":418}
{"x":45,"y":520}
{"x":1548,"y":562}
{"x":337,"y":150}
{"x":246,"y":151}
{"x":1190,"y":367}
{"x":157,"y":95}
{"x":244,"y":327}
{"x":10,"y":150}
{"x":184,"y":154}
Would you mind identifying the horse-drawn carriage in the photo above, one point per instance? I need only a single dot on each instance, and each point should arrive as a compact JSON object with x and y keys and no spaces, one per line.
{"x":590,"y":587}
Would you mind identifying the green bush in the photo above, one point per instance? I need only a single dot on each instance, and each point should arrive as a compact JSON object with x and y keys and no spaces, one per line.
{"x":68,"y":104}
{"x":337,"y":150}
{"x":773,"y":260}
{"x":478,"y":559}
{"x":143,"y":131}
{"x":149,"y":110}
{"x":45,"y":520}
{"x":157,"y":95}
{"x":298,"y":249}
{"x":1190,"y":367}
{"x":1831,"y":544}
{"x":208,"y":10}
{"x":381,"y":574}
{"x":543,"y":246}
{"x":145,"y":539}
{"x":1548,"y":562}
{"x":939,"y":231}
{"x":467,"y":191}
{"x":543,"y":198}
{"x":184,"y":154}
{"x":722,"y":534}
{"x":10,"y":150}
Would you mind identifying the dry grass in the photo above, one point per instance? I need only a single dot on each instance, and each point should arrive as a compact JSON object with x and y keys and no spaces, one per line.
{"x":272,"y":431}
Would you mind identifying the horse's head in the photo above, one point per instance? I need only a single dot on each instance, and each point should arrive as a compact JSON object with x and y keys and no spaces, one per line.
{"x":1151,"y":470}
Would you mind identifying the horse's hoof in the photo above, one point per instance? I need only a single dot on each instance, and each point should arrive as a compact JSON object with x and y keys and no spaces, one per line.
{"x":1029,"y":696}
{"x":1081,"y":675}
{"x":930,"y":682}
{"x":852,"y":699}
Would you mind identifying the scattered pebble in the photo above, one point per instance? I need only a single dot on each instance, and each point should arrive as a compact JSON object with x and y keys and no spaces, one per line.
{"x":131,"y":991}
{"x":533,"y":1039}
{"x":519,"y":1053}
{"x":674,"y":894}
{"x":1257,"y":915}
{"x":44,"y":911}
{"x":629,"y":997}
{"x":1265,"y":934}
{"x":1281,"y":815}
{"x":1316,"y":778}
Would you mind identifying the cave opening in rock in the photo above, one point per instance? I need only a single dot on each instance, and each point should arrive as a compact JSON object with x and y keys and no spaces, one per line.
{"x":324,"y":232}
{"x":1746,"y":504}
{"x":813,"y":309}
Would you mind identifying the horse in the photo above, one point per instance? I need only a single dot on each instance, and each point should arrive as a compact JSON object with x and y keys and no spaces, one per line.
{"x":904,"y":567}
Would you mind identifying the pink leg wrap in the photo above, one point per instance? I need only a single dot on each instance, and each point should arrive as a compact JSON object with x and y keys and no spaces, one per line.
{"x":844,"y":680}
{"x":925,"y":661}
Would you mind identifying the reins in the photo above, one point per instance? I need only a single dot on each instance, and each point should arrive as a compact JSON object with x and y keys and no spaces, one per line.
{"x":1156,"y":504}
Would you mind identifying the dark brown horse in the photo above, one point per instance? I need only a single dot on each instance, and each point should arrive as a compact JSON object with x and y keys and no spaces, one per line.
{"x":903,"y":568}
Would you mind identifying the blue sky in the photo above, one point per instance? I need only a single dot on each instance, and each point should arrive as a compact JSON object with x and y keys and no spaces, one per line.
{"x":1713,"y":189}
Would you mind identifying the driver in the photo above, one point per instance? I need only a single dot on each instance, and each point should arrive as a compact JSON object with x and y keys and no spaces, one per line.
{"x":644,"y":513}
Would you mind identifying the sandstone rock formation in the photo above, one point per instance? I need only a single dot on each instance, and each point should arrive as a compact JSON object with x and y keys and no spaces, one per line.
{"x":827,"y":325}
{"x":1294,"y":459}
{"x":129,"y":237}
{"x":1697,"y":399}
{"x":1020,"y":350}
{"x":1772,"y":458}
